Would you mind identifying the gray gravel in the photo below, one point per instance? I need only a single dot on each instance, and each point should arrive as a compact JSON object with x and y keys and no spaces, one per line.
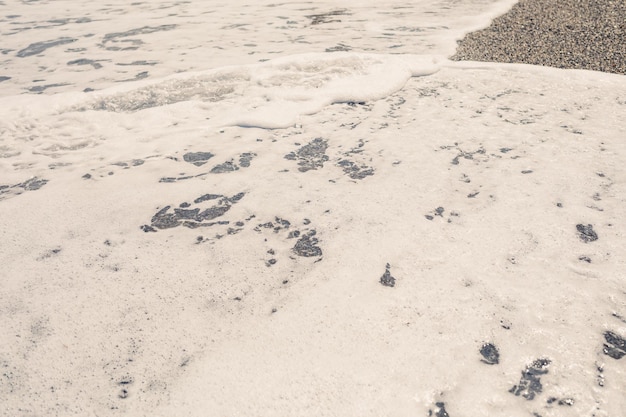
{"x":581,"y":34}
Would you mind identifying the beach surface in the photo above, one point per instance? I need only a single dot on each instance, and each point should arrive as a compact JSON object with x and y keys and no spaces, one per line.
{"x":294,"y":209}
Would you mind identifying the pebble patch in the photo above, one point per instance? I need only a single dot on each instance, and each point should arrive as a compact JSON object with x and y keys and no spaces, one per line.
{"x":311,"y":156}
{"x":530,"y":383}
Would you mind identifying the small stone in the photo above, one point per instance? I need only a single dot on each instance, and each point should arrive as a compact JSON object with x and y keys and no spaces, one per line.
{"x":147,"y":228}
{"x":87,"y":176}
{"x":386,"y":279}
{"x":440,"y":410}
{"x":615,"y":346}
{"x":490,"y":354}
{"x":586,"y":233}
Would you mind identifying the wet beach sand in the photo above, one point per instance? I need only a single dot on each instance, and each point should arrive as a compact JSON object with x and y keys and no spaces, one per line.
{"x":578,"y":34}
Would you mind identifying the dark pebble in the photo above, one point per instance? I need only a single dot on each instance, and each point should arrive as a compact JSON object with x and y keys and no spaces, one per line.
{"x":490,"y":354}
{"x":586,"y":233}
{"x":615,"y":345}
{"x":440,"y":410}
{"x":386,"y":279}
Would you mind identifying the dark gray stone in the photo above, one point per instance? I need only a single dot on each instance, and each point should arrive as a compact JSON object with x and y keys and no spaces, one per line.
{"x":386,"y":279}
{"x":530,"y":383}
{"x":490,"y":354}
{"x":38,"y":47}
{"x":615,"y":345}
{"x":586,"y":233}
{"x":4,"y":78}
{"x":440,"y":410}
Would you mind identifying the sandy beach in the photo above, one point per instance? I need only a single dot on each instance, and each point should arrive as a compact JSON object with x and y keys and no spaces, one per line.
{"x":299,"y":209}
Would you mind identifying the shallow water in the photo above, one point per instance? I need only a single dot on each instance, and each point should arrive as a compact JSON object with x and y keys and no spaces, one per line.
{"x":303,"y":209}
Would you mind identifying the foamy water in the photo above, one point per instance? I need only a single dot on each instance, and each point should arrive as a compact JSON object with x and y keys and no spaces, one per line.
{"x":303,"y":209}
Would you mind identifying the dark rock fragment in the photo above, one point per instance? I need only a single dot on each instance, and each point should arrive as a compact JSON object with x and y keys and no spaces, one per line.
{"x":386,"y":279}
{"x":615,"y":346}
{"x":306,"y":246}
{"x":440,"y":410}
{"x":586,"y":233}
{"x":147,"y":228}
{"x":584,"y":258}
{"x":197,"y":158}
{"x":530,"y":383}
{"x":87,"y":176}
{"x":490,"y":354}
